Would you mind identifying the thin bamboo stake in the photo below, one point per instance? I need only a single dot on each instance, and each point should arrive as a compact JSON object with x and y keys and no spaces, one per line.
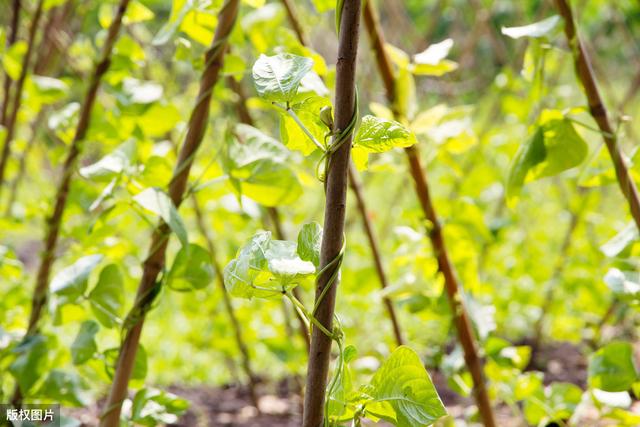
{"x":363,"y":211}
{"x":39,"y":298}
{"x":10,"y":124}
{"x":461,"y":319}
{"x":155,"y":261}
{"x":228,"y":306}
{"x":334,"y":214}
{"x":11,"y":39}
{"x":598,"y":110}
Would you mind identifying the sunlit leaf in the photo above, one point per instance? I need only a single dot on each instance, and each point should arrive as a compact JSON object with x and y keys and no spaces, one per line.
{"x":192,"y":269}
{"x":72,"y":280}
{"x":84,"y":346}
{"x":309,"y":242}
{"x":30,"y":362}
{"x":612,"y":367}
{"x":107,"y":297}
{"x":554,"y":147}
{"x":158,"y":202}
{"x":535,"y":30}
{"x":278,"y":77}
{"x":403,"y":392}
{"x":380,"y":135}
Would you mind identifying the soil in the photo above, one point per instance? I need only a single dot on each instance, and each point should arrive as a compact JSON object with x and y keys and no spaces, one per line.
{"x":281,"y":405}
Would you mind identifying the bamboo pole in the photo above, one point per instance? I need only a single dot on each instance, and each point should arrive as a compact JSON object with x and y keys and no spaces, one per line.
{"x":155,"y":261}
{"x":445,"y":267}
{"x":599,"y":111}
{"x":10,"y":123}
{"x":363,"y":211}
{"x":334,"y":214}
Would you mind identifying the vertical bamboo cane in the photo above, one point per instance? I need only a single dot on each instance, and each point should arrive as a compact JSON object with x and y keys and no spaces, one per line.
{"x":334,"y":214}
{"x":461,"y":319}
{"x":598,"y":110}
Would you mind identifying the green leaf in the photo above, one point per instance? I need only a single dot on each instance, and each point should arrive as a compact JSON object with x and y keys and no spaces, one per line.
{"x":554,"y":148}
{"x":432,"y":62}
{"x":618,"y":243}
{"x":107,"y":297}
{"x":309,"y":242}
{"x":12,"y":59}
{"x":258,"y":168}
{"x":405,"y":103}
{"x":113,"y":163}
{"x":47,"y":89}
{"x":84,"y":346}
{"x":265,"y":268}
{"x":435,"y":53}
{"x":324,"y":5}
{"x":30,"y":363}
{"x":340,"y":393}
{"x":612,"y":368}
{"x":379,"y":135}
{"x":552,"y":404}
{"x":308,"y":112}
{"x":141,"y":92}
{"x":72,"y":281}
{"x":278,"y":77}
{"x":151,"y":407}
{"x":536,"y":30}
{"x":158,"y":202}
{"x":191,"y":269}
{"x":625,"y":284}
{"x":284,"y":263}
{"x":403,"y":392}
{"x":65,"y":388}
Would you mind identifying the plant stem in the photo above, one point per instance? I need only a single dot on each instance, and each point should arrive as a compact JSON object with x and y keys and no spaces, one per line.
{"x":356,"y":187}
{"x":461,"y":319}
{"x":10,"y":123}
{"x":11,"y":39}
{"x":228,"y":306}
{"x":273,"y":212}
{"x":598,"y":110}
{"x":47,"y":256}
{"x":155,"y":261}
{"x":334,"y":215}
